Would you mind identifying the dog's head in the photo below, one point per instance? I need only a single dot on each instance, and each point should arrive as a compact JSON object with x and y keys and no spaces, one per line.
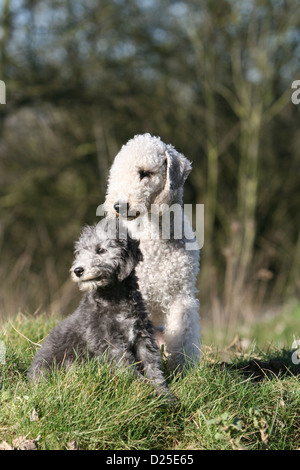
{"x":103,"y":256}
{"x":145,"y":172}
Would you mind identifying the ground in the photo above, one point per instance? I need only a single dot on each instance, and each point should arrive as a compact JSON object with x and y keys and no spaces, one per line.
{"x":242,"y":396}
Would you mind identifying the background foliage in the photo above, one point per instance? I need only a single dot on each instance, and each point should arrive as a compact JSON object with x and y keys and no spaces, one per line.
{"x":213,"y":78}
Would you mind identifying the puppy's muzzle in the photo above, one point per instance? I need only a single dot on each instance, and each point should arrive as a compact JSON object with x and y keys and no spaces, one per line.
{"x":81,"y":273}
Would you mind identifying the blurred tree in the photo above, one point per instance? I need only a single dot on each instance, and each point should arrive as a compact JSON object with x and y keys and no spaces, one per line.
{"x":211,"y":78}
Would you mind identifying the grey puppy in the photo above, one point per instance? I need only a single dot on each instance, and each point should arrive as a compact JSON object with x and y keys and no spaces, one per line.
{"x":111,"y":319}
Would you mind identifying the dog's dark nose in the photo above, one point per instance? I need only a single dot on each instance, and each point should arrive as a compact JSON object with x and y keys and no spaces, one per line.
{"x":121,"y":207}
{"x":78,"y":271}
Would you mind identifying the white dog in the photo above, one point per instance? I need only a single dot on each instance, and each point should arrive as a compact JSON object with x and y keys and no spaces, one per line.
{"x":145,"y":180}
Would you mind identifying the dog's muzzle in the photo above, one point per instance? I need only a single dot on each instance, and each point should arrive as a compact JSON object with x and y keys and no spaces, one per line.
{"x":123,"y":210}
{"x":79,"y":273}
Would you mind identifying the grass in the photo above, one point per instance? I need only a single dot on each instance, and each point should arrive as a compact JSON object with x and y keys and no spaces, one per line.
{"x":219,"y":407}
{"x":278,"y":330}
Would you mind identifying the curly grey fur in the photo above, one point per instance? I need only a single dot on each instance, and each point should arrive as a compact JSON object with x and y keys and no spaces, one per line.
{"x":111,"y":319}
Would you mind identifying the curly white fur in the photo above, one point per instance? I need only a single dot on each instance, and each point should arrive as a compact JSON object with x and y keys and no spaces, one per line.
{"x":148,"y":174}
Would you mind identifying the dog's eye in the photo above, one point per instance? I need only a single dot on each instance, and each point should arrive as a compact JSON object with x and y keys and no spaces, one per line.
{"x":144,"y":174}
{"x":100,"y":250}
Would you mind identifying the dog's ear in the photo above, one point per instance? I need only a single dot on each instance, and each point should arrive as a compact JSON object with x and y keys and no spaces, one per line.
{"x":130,"y":258}
{"x":178,"y":169}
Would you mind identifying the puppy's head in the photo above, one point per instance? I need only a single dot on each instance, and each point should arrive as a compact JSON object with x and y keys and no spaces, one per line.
{"x":103,"y":256}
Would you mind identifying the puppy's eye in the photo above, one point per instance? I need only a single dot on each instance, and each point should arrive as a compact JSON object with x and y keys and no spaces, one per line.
{"x":100,"y":250}
{"x":144,"y":174}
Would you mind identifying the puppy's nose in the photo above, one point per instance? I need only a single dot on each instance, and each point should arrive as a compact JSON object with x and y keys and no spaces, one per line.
{"x":78,"y":271}
{"x":122,"y":207}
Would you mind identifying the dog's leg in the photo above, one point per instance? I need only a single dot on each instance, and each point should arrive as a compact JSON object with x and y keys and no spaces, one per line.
{"x":182,"y":332}
{"x":149,"y":357}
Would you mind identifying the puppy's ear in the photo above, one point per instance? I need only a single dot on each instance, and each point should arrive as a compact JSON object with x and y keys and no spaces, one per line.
{"x":178,"y":169}
{"x":130,"y":258}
